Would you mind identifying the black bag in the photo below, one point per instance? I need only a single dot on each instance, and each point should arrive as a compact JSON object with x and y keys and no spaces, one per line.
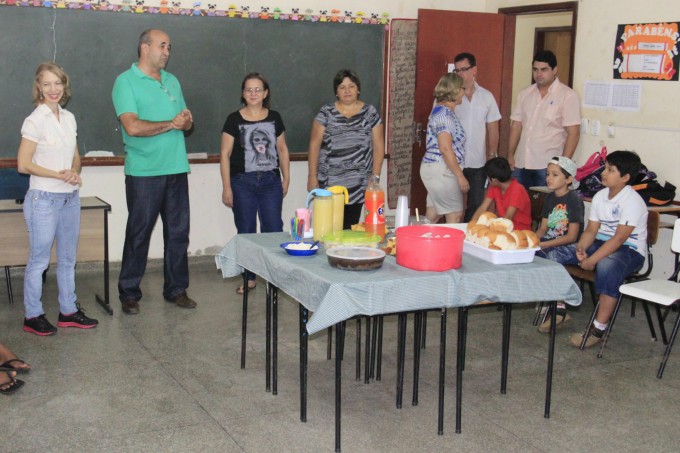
{"x":592,"y":183}
{"x":654,"y":193}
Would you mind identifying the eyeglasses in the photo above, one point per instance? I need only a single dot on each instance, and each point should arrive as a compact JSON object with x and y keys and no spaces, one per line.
{"x":253,"y":90}
{"x":461,"y":70}
{"x":172,"y":98}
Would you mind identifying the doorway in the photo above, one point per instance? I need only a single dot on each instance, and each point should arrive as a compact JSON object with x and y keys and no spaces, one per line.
{"x":538,"y":14}
{"x":558,"y":40}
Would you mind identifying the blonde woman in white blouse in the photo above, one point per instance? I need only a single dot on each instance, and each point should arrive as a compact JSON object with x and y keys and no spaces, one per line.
{"x":49,"y":153}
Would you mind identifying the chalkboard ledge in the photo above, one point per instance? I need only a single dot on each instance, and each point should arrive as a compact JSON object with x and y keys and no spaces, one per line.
{"x":120,"y":160}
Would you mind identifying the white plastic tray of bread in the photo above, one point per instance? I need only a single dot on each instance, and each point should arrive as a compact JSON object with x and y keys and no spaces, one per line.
{"x":494,"y":240}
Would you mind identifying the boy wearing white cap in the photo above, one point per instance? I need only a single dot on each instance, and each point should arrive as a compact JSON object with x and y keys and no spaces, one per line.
{"x":561,"y":224}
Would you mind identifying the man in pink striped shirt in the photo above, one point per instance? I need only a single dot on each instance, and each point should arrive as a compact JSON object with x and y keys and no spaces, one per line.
{"x":545,"y":123}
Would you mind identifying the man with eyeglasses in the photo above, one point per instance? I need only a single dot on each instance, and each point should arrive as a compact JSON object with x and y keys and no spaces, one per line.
{"x":151,"y":108}
{"x":545,"y":123}
{"x":479,"y":115}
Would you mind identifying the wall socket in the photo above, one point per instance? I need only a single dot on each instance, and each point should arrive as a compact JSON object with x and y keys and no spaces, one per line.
{"x":584,"y":126}
{"x":611,"y":130}
{"x":595,"y":128}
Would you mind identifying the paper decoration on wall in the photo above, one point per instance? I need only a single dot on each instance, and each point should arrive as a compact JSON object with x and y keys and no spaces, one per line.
{"x":196,"y":9}
{"x":647,"y":51}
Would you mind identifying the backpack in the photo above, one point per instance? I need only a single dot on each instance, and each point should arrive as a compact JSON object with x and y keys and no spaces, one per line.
{"x":591,"y":184}
{"x":654,"y":193}
{"x":595,"y":162}
{"x":651,"y":191}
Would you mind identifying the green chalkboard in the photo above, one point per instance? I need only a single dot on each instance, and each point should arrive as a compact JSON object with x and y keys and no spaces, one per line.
{"x":210,"y":56}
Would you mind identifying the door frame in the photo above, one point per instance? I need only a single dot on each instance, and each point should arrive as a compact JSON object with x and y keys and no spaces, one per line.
{"x":511,"y":14}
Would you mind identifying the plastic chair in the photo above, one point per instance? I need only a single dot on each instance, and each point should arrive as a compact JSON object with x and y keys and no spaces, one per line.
{"x":661,"y":292}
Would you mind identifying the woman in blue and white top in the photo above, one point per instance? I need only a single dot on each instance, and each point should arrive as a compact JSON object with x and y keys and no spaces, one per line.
{"x":442,"y":166}
{"x":48,"y":152}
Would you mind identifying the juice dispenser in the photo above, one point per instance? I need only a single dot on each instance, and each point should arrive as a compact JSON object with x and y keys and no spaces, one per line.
{"x":340,"y":199}
{"x":322,"y":212}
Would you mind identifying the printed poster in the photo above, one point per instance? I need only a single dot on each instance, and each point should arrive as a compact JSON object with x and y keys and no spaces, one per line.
{"x":647,"y":51}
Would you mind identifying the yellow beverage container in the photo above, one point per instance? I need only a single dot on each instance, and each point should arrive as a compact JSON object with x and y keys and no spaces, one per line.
{"x":340,"y":199}
{"x":322,"y":212}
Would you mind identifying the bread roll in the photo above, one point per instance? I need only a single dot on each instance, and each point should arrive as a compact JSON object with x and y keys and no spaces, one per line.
{"x":505,"y":241}
{"x":521,"y":238}
{"x":485,"y":218}
{"x":532,"y":238}
{"x":486,"y":237}
{"x":472,"y":233}
{"x":501,"y":225}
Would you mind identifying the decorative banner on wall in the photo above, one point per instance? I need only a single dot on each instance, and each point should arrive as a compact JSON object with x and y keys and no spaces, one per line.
{"x":647,"y":51}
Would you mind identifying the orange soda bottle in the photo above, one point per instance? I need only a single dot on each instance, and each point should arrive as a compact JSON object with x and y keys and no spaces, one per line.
{"x":375,"y":208}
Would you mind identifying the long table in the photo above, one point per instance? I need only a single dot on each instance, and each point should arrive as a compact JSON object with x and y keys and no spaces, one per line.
{"x":333,"y":296}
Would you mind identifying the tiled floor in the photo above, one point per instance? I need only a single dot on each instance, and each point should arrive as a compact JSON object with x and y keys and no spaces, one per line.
{"x":168,"y":380}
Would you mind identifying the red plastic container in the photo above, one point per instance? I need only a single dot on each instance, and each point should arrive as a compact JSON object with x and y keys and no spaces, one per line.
{"x":429,"y":247}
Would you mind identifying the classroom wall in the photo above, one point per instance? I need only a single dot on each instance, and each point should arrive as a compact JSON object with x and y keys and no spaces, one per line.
{"x":212,"y":223}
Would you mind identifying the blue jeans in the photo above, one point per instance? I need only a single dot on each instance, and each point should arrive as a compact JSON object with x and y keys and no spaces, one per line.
{"x":563,"y":254}
{"x":257,"y":194}
{"x":530,"y":178}
{"x":50,"y":216}
{"x":611,"y":271}
{"x":147,"y":197}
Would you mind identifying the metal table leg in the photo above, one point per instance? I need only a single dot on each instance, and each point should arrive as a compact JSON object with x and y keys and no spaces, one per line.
{"x":378,"y":371}
{"x":304,"y":313}
{"x":338,"y":385}
{"x":367,"y":351}
{"x":268,"y":337}
{"x":401,"y":352}
{"x":507,"y":311}
{"x":244,"y":319}
{"x":417,"y":338}
{"x":460,"y":357}
{"x":275,"y":339}
{"x":551,"y":356}
{"x":8,"y":277}
{"x":105,"y":302}
{"x":442,"y":372}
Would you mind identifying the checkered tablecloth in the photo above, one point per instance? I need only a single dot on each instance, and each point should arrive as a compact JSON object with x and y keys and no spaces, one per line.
{"x":334,"y":295}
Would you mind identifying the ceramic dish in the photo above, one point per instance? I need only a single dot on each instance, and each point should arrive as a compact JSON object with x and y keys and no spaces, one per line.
{"x":355,"y":258}
{"x":290,"y":248}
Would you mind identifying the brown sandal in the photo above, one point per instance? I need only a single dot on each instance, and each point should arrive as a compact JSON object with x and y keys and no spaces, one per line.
{"x":251,"y":285}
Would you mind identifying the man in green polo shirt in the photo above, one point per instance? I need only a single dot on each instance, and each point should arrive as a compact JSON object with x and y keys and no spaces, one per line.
{"x":150,"y":106}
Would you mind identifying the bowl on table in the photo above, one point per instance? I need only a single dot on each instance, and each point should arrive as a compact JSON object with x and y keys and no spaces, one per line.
{"x":355,"y":258}
{"x":300,"y":248}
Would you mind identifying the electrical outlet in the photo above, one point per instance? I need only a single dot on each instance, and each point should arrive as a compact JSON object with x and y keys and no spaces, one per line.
{"x":584,"y":126}
{"x":611,"y":130}
{"x":595,"y":128}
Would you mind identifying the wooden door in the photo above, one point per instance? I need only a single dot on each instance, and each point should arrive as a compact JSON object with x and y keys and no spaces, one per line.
{"x":441,"y":36}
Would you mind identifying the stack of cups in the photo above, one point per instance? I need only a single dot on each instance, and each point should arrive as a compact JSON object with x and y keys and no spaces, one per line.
{"x":402,"y":215}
